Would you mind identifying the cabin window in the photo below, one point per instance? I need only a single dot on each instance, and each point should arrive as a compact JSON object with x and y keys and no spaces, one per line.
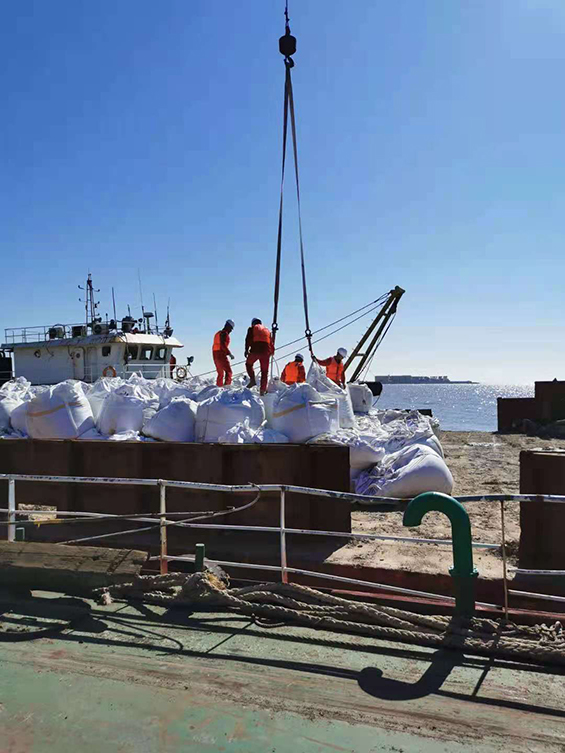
{"x":106,"y":350}
{"x":160,"y":354}
{"x":145,"y":353}
{"x":132,"y":352}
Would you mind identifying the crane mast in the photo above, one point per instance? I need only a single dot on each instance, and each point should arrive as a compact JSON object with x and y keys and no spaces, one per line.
{"x":376,"y":330}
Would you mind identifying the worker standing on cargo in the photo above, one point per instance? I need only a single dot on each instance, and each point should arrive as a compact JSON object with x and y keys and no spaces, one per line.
{"x":334,"y":367}
{"x":221,"y":352}
{"x":258,"y":347}
{"x":294,"y":372}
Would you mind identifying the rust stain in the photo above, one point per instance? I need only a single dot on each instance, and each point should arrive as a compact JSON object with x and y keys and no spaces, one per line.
{"x":239,"y":732}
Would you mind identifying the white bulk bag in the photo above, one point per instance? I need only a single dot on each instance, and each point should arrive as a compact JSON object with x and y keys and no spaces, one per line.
{"x":173,"y":423}
{"x":265,"y":435}
{"x":365,"y":450}
{"x":18,"y":419}
{"x":60,"y":412}
{"x":361,"y":397}
{"x":205,"y":393}
{"x":321,"y":383}
{"x":12,"y":394}
{"x":167,"y":389}
{"x":243,"y":434}
{"x":274,"y":390}
{"x":15,"y":388}
{"x":7,"y":407}
{"x":228,"y":407}
{"x":127,"y":409}
{"x":425,"y":471}
{"x":301,"y":413}
{"x":100,"y":391}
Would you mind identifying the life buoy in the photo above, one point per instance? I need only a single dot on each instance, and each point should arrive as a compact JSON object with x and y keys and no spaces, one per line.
{"x":109,"y":371}
{"x":181,"y":372}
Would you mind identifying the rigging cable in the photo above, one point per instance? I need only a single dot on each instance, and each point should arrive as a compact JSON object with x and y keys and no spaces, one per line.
{"x":287,"y":47}
{"x":366,"y":309}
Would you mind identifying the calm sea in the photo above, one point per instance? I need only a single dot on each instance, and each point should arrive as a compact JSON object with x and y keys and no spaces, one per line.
{"x":459,"y":407}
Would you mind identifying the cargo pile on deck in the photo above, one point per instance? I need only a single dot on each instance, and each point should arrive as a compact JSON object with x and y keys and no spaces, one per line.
{"x":392,"y":453}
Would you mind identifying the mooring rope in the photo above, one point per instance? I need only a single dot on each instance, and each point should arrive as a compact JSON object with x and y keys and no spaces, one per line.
{"x":297,"y":604}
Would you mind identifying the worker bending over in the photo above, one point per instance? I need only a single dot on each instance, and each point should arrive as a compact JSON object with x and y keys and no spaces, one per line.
{"x":258,"y":347}
{"x":294,"y":372}
{"x":221,"y":352}
{"x":334,"y":367}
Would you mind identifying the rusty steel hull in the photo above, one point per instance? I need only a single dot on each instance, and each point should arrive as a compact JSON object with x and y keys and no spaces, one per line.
{"x":311,"y":466}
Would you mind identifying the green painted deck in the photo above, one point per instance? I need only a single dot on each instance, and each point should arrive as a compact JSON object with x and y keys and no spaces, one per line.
{"x":140,"y":679}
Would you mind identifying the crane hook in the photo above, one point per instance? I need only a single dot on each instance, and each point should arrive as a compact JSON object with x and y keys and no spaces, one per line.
{"x":287,"y":43}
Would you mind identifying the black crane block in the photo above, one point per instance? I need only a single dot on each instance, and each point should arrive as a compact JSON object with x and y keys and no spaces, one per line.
{"x":287,"y":44}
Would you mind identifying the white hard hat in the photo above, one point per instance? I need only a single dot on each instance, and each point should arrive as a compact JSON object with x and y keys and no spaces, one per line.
{"x":230,"y":322}
{"x":299,"y":355}
{"x":342,"y":352}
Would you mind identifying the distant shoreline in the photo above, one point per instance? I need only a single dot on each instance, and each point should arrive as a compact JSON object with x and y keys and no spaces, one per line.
{"x":419,"y":380}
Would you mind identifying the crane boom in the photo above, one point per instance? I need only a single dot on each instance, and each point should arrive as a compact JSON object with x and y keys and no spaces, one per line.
{"x":377,"y":327}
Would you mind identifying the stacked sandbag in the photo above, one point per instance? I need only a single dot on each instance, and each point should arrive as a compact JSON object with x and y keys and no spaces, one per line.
{"x":12,"y":395}
{"x":321,"y":383}
{"x":127,"y":409}
{"x":167,"y":389}
{"x":18,"y":419}
{"x":411,"y":471}
{"x":100,"y":391}
{"x":173,"y":423}
{"x":274,"y":390}
{"x":60,"y":412}
{"x":361,"y":397}
{"x":242,"y":433}
{"x":226,"y":408}
{"x":401,"y":428}
{"x":300,"y":413}
{"x":365,"y":450}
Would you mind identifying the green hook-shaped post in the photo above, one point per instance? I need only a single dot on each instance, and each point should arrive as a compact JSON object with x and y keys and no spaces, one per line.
{"x":462,"y":572}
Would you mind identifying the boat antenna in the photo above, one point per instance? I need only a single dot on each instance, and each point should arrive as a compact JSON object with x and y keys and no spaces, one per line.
{"x":156,"y":317}
{"x":141,"y":296}
{"x":168,"y":332}
{"x":129,"y":311}
{"x":114,"y":302}
{"x":90,"y":305}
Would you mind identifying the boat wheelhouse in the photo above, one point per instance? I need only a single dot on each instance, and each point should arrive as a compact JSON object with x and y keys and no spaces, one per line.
{"x":87,"y":351}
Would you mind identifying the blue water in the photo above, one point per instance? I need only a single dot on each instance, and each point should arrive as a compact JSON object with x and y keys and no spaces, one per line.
{"x":459,"y":407}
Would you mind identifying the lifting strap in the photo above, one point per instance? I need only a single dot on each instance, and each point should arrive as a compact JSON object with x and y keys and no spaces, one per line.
{"x":289,"y":108}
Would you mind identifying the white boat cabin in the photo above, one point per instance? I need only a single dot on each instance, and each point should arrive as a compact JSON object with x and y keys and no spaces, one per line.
{"x":48,"y":355}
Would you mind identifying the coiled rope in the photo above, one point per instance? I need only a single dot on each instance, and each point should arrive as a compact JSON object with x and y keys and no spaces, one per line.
{"x":293,"y":603}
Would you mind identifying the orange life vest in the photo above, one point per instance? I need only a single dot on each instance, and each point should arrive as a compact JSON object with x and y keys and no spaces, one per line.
{"x":261,"y":334}
{"x":290,"y":373}
{"x":218,"y":346}
{"x":335,"y":371}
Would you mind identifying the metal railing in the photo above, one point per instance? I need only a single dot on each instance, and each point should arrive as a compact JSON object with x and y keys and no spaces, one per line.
{"x":40,"y":333}
{"x":162,"y":522}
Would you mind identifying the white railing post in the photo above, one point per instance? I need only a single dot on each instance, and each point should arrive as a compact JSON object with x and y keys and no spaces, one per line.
{"x":284,"y":575}
{"x":163,"y":561}
{"x":11,"y":510}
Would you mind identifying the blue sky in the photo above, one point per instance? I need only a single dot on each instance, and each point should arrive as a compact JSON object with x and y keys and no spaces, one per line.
{"x":431,"y":136}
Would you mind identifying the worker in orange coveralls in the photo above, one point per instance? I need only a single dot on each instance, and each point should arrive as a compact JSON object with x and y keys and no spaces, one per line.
{"x":258,"y":347}
{"x":334,"y":367}
{"x":221,"y":352}
{"x":294,"y":372}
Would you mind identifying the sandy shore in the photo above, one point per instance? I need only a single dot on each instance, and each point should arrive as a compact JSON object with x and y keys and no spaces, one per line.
{"x":481,"y":463}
